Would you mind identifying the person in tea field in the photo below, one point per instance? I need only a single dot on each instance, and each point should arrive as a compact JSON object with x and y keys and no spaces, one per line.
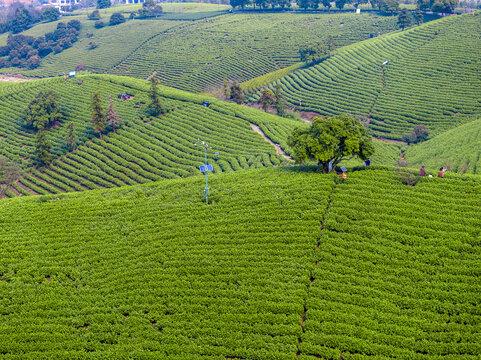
{"x":441,"y":172}
{"x":422,"y":172}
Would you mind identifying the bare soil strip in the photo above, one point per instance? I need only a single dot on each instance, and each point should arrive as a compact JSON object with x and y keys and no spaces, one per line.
{"x":278,"y":148}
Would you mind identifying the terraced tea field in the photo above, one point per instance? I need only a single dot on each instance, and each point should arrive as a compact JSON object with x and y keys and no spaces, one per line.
{"x":143,"y":150}
{"x":242,"y":46}
{"x":282,"y":265}
{"x":458,"y":149}
{"x":199,"y":55}
{"x":432,"y":77}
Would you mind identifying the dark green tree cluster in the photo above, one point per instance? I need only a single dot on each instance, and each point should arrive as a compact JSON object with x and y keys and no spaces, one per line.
{"x":313,"y":54}
{"x":236,"y":93}
{"x":50,"y":14}
{"x":404,"y":19}
{"x":330,"y":141}
{"x":103,"y":4}
{"x":419,"y":133}
{"x":27,"y":51}
{"x":263,"y":4}
{"x":275,"y":99}
{"x":43,"y":112}
{"x":19,"y":17}
{"x":438,"y":6}
{"x":116,"y":19}
{"x":149,"y":9}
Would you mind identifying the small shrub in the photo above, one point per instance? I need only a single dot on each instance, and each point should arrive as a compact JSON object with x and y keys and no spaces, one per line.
{"x":93,"y":45}
{"x":99,"y":24}
{"x":116,"y":19}
{"x":408,"y":177}
{"x":94,"y":15}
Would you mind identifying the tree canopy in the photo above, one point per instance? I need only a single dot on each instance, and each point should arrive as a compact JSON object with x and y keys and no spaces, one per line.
{"x":331,"y":140}
{"x":404,"y":19}
{"x":43,"y":111}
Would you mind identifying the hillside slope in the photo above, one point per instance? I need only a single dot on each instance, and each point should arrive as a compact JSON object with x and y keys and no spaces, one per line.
{"x":200,"y":55}
{"x":458,"y":149}
{"x":432,"y":77}
{"x":283,"y":265}
{"x":143,"y":149}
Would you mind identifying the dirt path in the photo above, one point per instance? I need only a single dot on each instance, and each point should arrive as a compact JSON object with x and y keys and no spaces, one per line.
{"x":389,"y":140}
{"x":151,"y":75}
{"x":12,"y":78}
{"x":278,"y":148}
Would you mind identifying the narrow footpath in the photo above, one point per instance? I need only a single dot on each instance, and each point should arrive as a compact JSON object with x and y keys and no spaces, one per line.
{"x":311,"y":280}
{"x":278,"y":148}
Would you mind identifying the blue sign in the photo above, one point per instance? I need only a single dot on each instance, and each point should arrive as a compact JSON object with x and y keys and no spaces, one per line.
{"x":205,"y":168}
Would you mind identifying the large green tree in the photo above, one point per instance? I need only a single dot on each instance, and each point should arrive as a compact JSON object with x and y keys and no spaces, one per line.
{"x":389,"y":6}
{"x":404,"y":19}
{"x":50,"y":14}
{"x":331,"y":140}
{"x":43,"y":111}
{"x":21,"y":21}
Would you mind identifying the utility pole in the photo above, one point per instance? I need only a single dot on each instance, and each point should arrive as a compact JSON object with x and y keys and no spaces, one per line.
{"x":205,"y":168}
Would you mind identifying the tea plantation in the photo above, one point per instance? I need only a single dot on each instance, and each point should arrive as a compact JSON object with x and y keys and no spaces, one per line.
{"x":144,"y":149}
{"x":458,"y":150}
{"x":428,"y":75}
{"x":198,"y":55}
{"x":282,"y":265}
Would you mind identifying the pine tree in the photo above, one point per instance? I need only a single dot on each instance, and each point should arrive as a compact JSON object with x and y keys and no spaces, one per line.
{"x":42,"y":149}
{"x":279,"y":101}
{"x":98,"y":118}
{"x":70,"y":137}
{"x":112,"y":116}
{"x":155,"y":108}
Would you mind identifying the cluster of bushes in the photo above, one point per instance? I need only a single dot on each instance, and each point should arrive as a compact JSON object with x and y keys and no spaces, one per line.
{"x":26,"y":51}
{"x":149,"y":9}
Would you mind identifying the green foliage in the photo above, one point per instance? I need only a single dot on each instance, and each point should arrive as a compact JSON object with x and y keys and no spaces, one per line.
{"x":389,"y":6}
{"x":71,"y":138}
{"x":103,"y":4}
{"x":98,"y":117}
{"x":432,"y":79}
{"x":418,"y":17}
{"x":42,"y":148}
{"x":43,"y":111}
{"x":94,"y":15}
{"x":50,"y":14}
{"x":395,"y":273}
{"x":267,"y":99}
{"x":149,"y":9}
{"x":313,"y":54}
{"x":419,"y":133}
{"x":404,"y":19}
{"x":279,"y":101}
{"x":239,"y":3}
{"x":155,"y":107}
{"x":21,"y":21}
{"x":330,"y":141}
{"x":236,"y":93}
{"x":116,"y":19}
{"x":112,"y":116}
{"x":458,"y":149}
